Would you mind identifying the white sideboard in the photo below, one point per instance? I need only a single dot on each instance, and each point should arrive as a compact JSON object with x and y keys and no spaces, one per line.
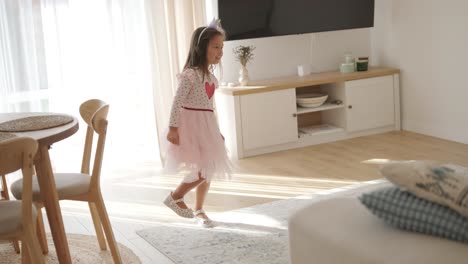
{"x":263,"y":117}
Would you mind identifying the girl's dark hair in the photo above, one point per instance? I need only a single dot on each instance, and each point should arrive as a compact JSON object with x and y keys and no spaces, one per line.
{"x":198,"y":49}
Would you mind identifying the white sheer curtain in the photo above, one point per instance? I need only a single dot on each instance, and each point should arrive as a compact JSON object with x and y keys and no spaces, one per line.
{"x":55,"y":54}
{"x":97,"y":49}
{"x":23,"y":80}
{"x":171,"y":23}
{"x":91,"y":49}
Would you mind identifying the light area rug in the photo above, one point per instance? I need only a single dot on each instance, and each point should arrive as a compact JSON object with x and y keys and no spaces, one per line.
{"x":83,"y":249}
{"x":256,"y":234}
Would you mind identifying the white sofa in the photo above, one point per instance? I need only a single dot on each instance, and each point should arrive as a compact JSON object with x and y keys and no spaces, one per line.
{"x":340,"y":229}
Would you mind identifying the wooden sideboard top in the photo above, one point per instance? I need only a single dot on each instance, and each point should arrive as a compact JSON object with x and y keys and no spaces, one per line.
{"x":308,"y":80}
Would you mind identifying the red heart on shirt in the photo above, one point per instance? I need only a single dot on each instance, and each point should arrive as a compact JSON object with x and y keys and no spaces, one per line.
{"x":209,"y":89}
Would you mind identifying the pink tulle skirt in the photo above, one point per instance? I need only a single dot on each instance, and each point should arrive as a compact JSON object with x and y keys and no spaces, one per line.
{"x":201,"y":148}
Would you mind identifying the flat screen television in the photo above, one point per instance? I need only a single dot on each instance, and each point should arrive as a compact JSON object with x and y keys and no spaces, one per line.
{"x":245,"y":19}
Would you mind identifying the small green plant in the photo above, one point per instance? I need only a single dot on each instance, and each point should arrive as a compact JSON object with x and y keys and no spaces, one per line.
{"x":244,"y":54}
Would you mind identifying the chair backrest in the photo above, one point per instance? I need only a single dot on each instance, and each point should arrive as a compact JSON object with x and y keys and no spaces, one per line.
{"x":94,"y":113}
{"x":15,"y":154}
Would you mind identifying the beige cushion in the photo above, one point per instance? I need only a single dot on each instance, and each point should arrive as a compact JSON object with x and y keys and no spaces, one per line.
{"x":445,"y":184}
{"x":68,"y":185}
{"x":10,"y":217}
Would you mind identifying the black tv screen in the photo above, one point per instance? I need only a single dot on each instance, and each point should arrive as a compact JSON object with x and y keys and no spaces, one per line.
{"x":244,"y":19}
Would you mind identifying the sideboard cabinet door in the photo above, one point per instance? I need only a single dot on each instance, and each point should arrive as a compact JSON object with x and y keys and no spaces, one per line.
{"x":268,"y":118}
{"x":369,"y":103}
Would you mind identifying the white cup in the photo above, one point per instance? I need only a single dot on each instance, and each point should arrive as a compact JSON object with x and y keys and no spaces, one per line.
{"x":304,"y":69}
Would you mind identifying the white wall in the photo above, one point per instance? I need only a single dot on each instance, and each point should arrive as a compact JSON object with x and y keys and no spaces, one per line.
{"x":280,"y":56}
{"x":428,"y":41}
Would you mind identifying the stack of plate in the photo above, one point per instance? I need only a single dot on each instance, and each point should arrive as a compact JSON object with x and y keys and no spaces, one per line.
{"x":311,"y":99}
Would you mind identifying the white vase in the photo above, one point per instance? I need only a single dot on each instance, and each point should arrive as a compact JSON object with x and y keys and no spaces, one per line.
{"x":243,"y":76}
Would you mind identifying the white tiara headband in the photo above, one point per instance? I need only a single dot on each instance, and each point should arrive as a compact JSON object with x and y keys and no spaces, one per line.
{"x":215,"y":24}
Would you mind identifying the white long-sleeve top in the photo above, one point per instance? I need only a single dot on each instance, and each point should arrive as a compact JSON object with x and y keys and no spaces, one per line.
{"x":193,"y":91}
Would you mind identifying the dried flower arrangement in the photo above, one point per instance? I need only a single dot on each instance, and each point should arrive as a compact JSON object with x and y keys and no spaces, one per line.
{"x":244,"y":54}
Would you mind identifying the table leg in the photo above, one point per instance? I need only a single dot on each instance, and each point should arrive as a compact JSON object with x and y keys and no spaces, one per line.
{"x":46,"y":181}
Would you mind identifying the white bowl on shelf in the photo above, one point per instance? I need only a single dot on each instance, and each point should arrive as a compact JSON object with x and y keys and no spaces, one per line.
{"x":311,"y":100}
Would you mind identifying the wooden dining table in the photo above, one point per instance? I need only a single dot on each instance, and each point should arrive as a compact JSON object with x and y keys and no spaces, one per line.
{"x":45,"y":138}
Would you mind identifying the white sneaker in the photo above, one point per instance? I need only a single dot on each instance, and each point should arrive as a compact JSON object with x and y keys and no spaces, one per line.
{"x":207,"y":223}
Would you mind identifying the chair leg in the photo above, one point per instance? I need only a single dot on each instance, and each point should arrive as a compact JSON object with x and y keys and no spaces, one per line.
{"x":24,"y":253}
{"x":41,"y":234}
{"x":6,"y":195}
{"x":101,"y":208}
{"x":16,"y":246}
{"x":32,"y":247}
{"x":97,"y":226}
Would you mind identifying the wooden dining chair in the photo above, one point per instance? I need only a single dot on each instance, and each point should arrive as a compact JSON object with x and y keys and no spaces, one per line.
{"x":5,"y":196}
{"x":85,"y":186}
{"x":18,"y":218}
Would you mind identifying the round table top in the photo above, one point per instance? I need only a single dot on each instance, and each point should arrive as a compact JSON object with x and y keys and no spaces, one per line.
{"x":43,"y":136}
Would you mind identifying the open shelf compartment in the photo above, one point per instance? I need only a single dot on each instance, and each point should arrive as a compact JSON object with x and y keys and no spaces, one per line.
{"x":335,"y":92}
{"x":320,"y":129}
{"x":325,"y":106}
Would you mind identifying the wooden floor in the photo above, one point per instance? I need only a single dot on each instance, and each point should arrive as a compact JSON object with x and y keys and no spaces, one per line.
{"x":133,"y":196}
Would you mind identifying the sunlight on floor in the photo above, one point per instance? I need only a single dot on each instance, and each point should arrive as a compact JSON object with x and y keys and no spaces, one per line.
{"x":153,"y":215}
{"x":139,"y":199}
{"x":258,"y":219}
{"x":274,"y":187}
{"x":378,"y":161}
{"x":131,"y":212}
{"x":134,"y":194}
{"x":375,"y":161}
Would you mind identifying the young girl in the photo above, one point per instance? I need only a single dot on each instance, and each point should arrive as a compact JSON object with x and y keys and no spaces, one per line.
{"x":197,"y":145}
